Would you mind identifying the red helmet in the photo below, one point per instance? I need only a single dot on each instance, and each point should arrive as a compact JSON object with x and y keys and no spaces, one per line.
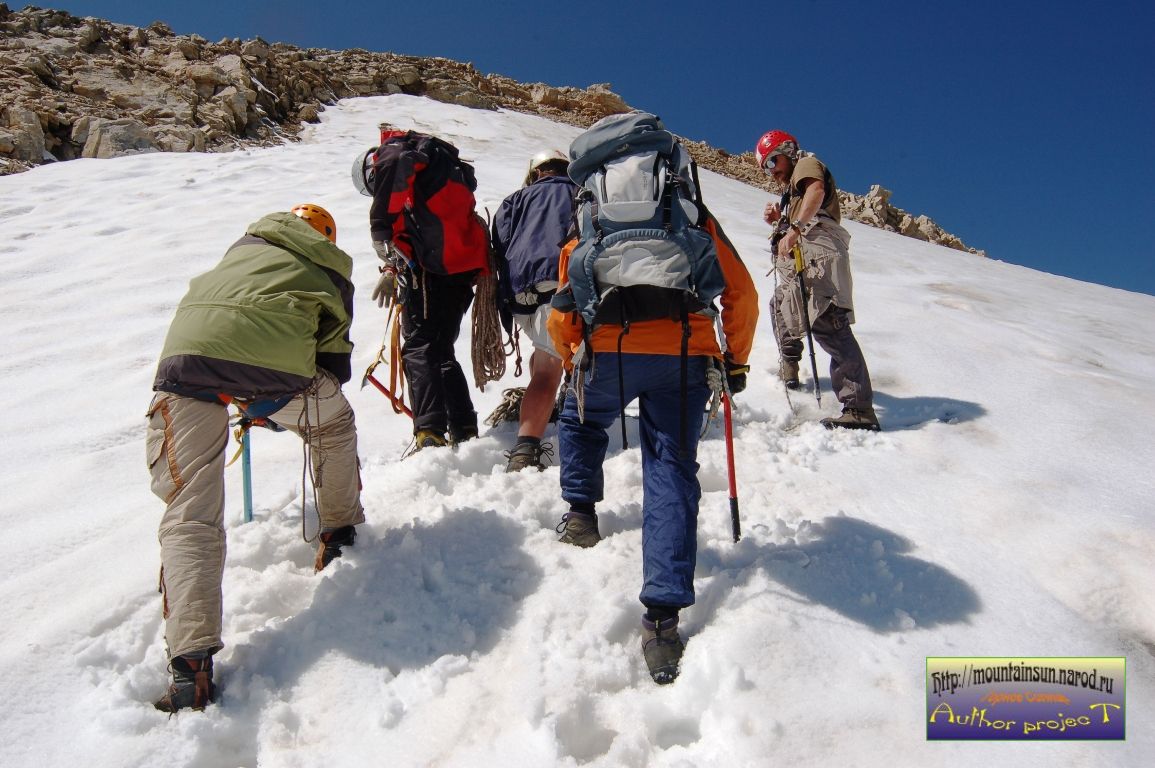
{"x":775,"y":143}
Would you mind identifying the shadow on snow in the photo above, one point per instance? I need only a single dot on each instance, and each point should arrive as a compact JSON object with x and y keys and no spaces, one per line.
{"x":853,"y":567}
{"x":419,"y":593}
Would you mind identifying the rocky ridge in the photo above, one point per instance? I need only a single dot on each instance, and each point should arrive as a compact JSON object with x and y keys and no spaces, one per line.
{"x":85,"y":87}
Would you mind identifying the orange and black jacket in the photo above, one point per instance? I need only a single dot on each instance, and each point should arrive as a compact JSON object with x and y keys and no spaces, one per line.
{"x":663,"y":337}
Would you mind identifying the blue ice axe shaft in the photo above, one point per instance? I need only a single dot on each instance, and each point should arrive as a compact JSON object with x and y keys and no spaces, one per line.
{"x":247,"y":476}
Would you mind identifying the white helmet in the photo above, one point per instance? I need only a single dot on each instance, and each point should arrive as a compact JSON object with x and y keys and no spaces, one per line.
{"x":544,"y":157}
{"x":362,"y":171}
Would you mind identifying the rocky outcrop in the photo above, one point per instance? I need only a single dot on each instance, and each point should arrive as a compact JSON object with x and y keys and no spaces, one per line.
{"x":84,"y":87}
{"x":874,"y":208}
{"x":90,"y":88}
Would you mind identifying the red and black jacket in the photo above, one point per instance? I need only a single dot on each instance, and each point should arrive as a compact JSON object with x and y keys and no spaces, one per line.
{"x":423,"y":202}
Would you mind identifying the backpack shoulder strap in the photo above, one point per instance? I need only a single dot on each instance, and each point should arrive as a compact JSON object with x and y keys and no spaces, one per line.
{"x":828,"y":183}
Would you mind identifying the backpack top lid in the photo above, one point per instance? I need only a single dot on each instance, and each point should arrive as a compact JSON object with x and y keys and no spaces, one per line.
{"x":616,"y":135}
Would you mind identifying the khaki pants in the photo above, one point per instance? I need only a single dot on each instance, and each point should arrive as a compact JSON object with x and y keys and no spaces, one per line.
{"x":826,"y":250}
{"x":185,"y":447}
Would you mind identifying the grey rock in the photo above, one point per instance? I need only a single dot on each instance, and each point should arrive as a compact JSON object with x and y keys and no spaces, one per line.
{"x":112,"y":138}
{"x":25,"y":133}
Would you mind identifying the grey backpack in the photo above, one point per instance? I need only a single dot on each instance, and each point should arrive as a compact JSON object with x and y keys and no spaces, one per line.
{"x":642,"y":252}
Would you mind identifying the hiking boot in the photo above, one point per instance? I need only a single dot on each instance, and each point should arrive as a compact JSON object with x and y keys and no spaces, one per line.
{"x":788,"y":373}
{"x":192,"y":684}
{"x":528,"y":455}
{"x":459,"y":435}
{"x":427,"y":438}
{"x":853,"y":418}
{"x":330,"y":545}
{"x":579,"y":529}
{"x":662,"y":648}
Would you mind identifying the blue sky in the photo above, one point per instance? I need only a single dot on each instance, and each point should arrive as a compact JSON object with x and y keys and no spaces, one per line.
{"x":1027,"y":129}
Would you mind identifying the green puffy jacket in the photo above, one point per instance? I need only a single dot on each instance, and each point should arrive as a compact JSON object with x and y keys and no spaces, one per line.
{"x":259,"y":324}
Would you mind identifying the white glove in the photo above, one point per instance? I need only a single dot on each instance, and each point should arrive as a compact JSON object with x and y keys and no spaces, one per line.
{"x":385,"y":292}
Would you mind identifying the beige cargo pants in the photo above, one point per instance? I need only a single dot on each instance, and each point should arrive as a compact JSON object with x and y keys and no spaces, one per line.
{"x":826,"y":250}
{"x":185,"y":447}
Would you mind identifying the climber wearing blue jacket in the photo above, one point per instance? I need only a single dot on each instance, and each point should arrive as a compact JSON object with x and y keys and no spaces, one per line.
{"x":528,"y":232}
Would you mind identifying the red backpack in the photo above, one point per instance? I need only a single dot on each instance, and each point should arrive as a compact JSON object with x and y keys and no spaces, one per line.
{"x":423,"y":202}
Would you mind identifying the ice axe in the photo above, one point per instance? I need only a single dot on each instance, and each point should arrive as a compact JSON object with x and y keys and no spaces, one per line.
{"x":247,"y":476}
{"x":800,"y":267}
{"x":398,"y":405}
{"x":396,"y":373}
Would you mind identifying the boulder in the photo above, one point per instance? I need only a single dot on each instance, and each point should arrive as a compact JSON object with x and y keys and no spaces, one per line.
{"x":179,"y":138}
{"x":237,"y":105}
{"x":206,"y":79}
{"x":25,"y":134}
{"x":110,"y":138}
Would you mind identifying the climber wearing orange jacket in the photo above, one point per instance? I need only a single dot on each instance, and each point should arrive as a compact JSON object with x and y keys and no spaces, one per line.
{"x":662,"y":337}
{"x":672,"y":390}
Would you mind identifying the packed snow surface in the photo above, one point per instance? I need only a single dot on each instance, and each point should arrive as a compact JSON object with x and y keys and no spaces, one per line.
{"x":1005,"y":510}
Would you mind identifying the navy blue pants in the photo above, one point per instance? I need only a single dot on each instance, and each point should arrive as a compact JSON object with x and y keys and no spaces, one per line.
{"x":670,"y":489}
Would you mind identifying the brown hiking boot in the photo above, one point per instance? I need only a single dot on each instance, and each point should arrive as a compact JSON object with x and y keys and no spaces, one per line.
{"x":579,"y":529}
{"x":526,"y":455}
{"x":662,"y":647}
{"x":788,"y":373}
{"x":192,"y":685}
{"x":853,"y":418}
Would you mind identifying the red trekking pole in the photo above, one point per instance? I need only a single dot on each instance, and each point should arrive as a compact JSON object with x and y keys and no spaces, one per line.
{"x":735,"y":522}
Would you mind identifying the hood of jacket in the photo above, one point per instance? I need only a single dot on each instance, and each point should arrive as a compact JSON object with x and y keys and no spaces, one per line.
{"x":294,"y":234}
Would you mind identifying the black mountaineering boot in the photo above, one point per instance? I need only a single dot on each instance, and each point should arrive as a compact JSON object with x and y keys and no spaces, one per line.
{"x":331,"y":542}
{"x":461,"y":433}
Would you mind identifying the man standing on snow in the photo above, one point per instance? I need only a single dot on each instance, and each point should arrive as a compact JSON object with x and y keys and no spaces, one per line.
{"x":809,"y":214}
{"x":267,"y":329}
{"x":528,"y":233}
{"x":648,"y":346}
{"x":432,"y":247}
{"x":651,"y":363}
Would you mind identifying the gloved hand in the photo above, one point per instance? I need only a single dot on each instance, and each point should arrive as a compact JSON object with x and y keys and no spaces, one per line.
{"x":384,"y":250}
{"x":736,"y":377}
{"x":385,"y":292}
{"x":391,"y":283}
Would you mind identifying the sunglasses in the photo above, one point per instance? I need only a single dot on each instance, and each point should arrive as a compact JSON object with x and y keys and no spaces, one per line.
{"x":768,"y":166}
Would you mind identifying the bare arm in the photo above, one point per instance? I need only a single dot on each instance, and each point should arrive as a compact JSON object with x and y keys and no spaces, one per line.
{"x":807,"y":207}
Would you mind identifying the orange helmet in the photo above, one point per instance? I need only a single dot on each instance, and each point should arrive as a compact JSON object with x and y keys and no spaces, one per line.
{"x":318,"y":218}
